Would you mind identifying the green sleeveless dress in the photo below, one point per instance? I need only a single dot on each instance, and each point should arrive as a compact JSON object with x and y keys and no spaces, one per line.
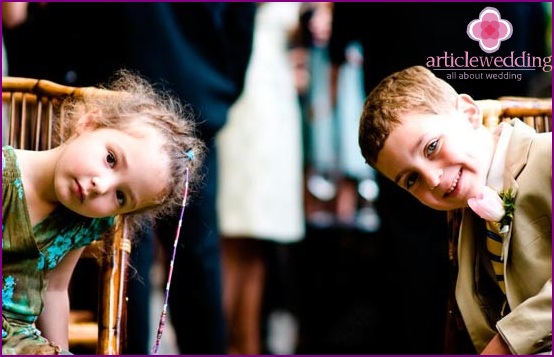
{"x":28,"y":253}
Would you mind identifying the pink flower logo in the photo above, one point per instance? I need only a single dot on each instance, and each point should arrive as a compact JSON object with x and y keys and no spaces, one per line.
{"x":490,"y":30}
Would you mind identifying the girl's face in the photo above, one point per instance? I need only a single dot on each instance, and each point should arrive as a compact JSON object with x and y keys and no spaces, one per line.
{"x":105,"y":172}
{"x":442,"y":160}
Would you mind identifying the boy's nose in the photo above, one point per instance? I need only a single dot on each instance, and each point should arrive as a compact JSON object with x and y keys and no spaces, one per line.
{"x":432,"y":178}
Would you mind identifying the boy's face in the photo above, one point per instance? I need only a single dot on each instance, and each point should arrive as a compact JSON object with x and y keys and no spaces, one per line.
{"x":105,"y":172}
{"x":442,"y":159}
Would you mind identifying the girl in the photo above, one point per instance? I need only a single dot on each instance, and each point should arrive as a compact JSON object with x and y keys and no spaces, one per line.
{"x":124,"y":155}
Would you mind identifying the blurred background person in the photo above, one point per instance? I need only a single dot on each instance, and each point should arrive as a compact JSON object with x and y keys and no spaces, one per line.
{"x":200,"y":51}
{"x":260,"y":176}
{"x":342,"y":224}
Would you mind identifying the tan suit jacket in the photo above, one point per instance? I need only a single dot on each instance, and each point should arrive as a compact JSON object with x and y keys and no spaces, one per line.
{"x":527,"y":251}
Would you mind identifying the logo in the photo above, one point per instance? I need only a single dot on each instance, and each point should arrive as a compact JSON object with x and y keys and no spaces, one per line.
{"x":489,"y":29}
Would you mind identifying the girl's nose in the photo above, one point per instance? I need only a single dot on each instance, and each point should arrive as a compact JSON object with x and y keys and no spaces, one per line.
{"x":100,"y":184}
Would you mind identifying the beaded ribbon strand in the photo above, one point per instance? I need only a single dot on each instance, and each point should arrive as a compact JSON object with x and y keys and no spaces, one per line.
{"x":177,"y":234}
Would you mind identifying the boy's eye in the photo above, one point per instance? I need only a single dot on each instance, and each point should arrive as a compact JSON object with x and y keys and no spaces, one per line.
{"x":120,"y":198}
{"x":110,"y":159}
{"x":411,"y":180}
{"x":431,"y":147}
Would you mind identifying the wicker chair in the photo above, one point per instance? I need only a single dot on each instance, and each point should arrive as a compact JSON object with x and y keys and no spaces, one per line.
{"x":535,"y":112}
{"x":31,"y":105}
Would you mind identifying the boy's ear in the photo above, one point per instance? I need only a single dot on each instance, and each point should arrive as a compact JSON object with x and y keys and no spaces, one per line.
{"x":88,"y":121}
{"x":469,"y":109}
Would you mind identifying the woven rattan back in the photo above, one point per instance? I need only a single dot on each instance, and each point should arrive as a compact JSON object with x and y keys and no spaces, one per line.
{"x":31,"y":106}
{"x":535,"y":112}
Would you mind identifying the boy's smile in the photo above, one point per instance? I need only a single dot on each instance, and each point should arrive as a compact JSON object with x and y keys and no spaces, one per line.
{"x":442,"y":160}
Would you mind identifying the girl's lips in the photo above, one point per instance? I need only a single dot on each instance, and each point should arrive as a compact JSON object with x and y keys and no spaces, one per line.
{"x":79,"y":191}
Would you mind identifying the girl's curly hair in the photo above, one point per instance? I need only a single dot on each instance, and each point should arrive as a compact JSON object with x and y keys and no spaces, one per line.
{"x":127,"y":100}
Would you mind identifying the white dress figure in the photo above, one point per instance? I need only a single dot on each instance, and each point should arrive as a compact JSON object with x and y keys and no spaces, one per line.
{"x":260,"y":147}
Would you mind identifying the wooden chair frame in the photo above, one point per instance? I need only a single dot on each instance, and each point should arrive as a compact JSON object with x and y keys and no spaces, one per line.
{"x":535,"y":112}
{"x":31,"y":107}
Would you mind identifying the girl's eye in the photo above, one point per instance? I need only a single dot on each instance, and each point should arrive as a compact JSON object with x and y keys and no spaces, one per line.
{"x":120,"y":198}
{"x":110,"y":159}
{"x":431,"y":148}
{"x":411,"y":180}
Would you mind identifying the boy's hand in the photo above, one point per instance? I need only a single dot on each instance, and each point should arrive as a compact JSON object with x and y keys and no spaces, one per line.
{"x":487,"y":205}
{"x":496,"y":346}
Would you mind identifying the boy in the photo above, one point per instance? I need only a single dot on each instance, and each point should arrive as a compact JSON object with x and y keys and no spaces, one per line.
{"x":418,"y":132}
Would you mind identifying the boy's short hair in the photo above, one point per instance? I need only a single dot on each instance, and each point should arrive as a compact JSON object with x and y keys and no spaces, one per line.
{"x":415,"y":89}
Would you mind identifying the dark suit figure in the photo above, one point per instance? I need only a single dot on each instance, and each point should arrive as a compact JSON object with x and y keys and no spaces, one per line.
{"x":200,"y":51}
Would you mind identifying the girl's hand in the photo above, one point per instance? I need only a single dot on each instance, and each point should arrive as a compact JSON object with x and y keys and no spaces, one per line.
{"x":54,"y":320}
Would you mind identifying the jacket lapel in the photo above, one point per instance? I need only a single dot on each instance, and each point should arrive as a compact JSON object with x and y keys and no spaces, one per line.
{"x":516,"y":159}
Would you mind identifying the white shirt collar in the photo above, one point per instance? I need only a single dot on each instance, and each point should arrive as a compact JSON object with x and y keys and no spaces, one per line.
{"x":495,"y":178}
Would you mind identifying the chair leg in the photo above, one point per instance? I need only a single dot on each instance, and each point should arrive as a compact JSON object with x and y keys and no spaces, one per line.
{"x":113,"y":299}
